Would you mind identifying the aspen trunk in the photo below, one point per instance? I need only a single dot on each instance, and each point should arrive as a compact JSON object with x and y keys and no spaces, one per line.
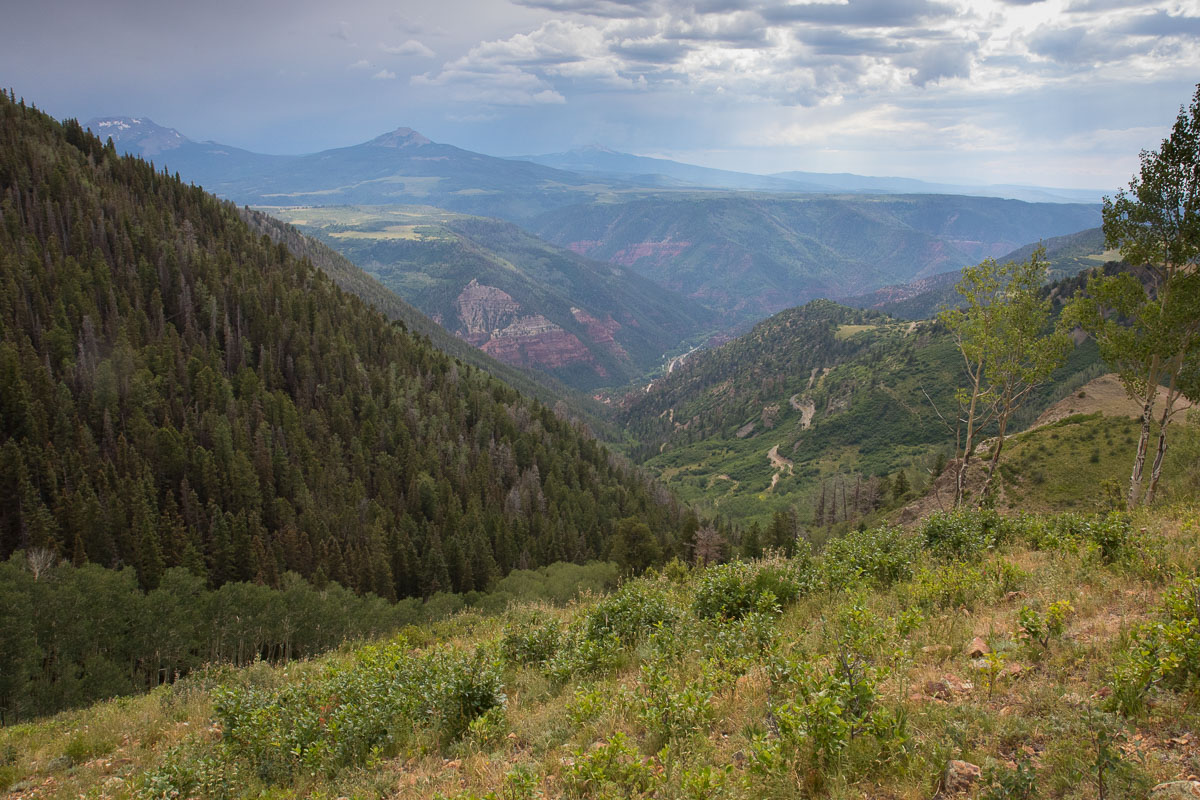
{"x":987,"y":483}
{"x":1139,"y":463}
{"x":1156,"y":471}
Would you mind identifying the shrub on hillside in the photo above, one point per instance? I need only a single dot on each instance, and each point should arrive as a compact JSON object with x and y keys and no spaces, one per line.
{"x":1164,"y":653}
{"x":350,"y":714}
{"x":731,"y":591}
{"x":963,"y":533}
{"x":882,"y":555}
{"x":633,"y":611}
{"x":531,"y":638}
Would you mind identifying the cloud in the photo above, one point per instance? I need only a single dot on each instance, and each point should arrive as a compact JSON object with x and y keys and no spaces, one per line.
{"x":384,"y":75}
{"x":836,"y":42}
{"x":860,"y":13}
{"x":502,"y":86}
{"x":1160,"y":23}
{"x":362,"y":63}
{"x":1082,"y":6}
{"x":617,"y":9}
{"x":932,"y":64}
{"x":410,"y":48}
{"x":651,"y":50}
{"x":342,"y":32}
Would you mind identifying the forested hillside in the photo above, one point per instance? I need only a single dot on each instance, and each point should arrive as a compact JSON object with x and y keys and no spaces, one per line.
{"x":176,"y":390}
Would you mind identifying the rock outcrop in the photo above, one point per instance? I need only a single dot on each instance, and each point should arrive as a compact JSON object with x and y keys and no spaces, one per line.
{"x":490,"y":320}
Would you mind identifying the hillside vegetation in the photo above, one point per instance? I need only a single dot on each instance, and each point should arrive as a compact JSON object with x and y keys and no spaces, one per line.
{"x":1016,"y":657}
{"x":178,"y":391}
{"x":815,"y":401}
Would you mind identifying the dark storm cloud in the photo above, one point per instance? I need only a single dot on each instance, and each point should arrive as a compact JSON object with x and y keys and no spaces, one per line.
{"x":861,"y":13}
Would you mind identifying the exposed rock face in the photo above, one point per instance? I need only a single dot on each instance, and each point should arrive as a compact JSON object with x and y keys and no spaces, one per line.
{"x":535,"y":341}
{"x":490,"y":320}
{"x":601,"y":331}
{"x":484,"y":309}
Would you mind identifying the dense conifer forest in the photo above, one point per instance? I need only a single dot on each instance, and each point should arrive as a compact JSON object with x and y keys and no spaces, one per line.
{"x":177,"y":391}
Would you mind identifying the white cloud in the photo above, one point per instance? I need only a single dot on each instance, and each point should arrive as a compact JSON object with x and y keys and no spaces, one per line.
{"x":410,"y":48}
{"x":362,"y":63}
{"x":384,"y":75}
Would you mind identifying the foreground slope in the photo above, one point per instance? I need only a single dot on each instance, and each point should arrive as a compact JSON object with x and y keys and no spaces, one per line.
{"x":519,"y":299}
{"x":177,"y":390}
{"x":1009,"y":657}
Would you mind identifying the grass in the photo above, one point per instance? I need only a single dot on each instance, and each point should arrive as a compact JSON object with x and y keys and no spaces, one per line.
{"x":846,"y":331}
{"x":718,"y":703}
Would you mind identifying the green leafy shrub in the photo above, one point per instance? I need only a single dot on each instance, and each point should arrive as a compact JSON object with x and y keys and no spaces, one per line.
{"x":822,"y":710}
{"x":1039,"y":628}
{"x":1004,"y":783}
{"x":964,"y":534}
{"x":185,"y":771}
{"x":731,"y":591}
{"x":632,"y":612}
{"x":1165,"y":652}
{"x":948,"y":586}
{"x":582,"y":656}
{"x":882,"y":555}
{"x":614,"y":769}
{"x":1110,"y":534}
{"x":352,"y":714}
{"x":531,"y":638}
{"x":672,"y":704}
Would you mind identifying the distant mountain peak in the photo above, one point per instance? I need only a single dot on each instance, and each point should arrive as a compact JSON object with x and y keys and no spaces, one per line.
{"x":401,"y":137}
{"x":140,"y":134}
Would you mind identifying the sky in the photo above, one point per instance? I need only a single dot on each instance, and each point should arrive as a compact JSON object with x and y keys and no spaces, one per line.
{"x":1040,"y":92}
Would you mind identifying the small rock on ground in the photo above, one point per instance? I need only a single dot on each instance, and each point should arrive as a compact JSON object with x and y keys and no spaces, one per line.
{"x":1176,"y":790}
{"x":961,"y":775}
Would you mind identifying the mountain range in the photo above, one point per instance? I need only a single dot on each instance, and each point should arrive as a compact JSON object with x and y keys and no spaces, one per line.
{"x":748,"y":248}
{"x":602,"y":161}
{"x":1065,"y":257}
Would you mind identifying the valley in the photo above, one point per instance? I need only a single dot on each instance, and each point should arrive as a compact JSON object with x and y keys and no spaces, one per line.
{"x":519,"y":299}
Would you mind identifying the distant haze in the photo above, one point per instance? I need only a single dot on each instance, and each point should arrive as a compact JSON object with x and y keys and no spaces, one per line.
{"x":1051,"y":92}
